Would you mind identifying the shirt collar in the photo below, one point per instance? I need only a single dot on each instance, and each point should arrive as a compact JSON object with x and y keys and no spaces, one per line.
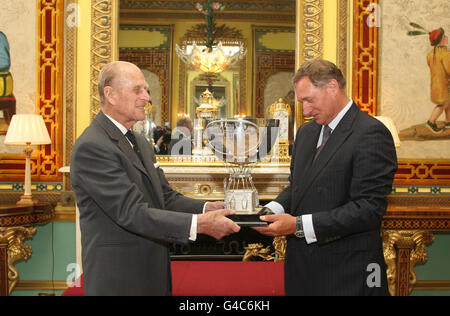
{"x":122,"y":128}
{"x":334,"y":123}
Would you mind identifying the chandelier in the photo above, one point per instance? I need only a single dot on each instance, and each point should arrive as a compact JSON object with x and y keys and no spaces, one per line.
{"x":220,"y":58}
{"x":211,"y":57}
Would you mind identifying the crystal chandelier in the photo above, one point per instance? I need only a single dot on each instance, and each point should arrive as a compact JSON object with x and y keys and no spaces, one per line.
{"x":214,"y":61}
{"x":211,"y":57}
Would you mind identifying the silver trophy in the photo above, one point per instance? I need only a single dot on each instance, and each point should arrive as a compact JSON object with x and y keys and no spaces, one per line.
{"x":241,"y":144}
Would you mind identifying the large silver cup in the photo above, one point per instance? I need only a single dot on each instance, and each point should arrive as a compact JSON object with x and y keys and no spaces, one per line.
{"x":240,"y":144}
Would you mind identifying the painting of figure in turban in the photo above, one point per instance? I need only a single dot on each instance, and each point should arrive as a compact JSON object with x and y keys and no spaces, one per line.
{"x":7,"y":100}
{"x":438,"y":60}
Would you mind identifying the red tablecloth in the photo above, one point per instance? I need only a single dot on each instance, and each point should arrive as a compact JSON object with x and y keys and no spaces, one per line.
{"x":217,"y":278}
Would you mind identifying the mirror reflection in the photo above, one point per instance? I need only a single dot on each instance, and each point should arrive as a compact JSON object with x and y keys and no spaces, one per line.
{"x":245,"y":60}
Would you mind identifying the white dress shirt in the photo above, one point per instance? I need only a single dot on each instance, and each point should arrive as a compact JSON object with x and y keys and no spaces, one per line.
{"x":277,"y":208}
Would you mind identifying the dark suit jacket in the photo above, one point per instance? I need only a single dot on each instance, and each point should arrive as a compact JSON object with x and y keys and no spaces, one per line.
{"x":128,"y":214}
{"x":345,"y":190}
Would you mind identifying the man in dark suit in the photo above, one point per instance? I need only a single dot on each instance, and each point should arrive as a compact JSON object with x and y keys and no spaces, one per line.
{"x":181,"y":140}
{"x":342,"y":170}
{"x":128,"y":212}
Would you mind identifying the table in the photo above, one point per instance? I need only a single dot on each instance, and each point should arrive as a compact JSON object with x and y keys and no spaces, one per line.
{"x":219,"y":278}
{"x":17,"y":223}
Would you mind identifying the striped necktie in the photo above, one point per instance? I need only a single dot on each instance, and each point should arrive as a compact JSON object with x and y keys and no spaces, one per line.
{"x":326,"y":134}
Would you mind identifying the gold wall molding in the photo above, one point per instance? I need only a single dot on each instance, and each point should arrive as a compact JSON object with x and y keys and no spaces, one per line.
{"x":309,"y":30}
{"x":104,"y":46}
{"x":280,"y":11}
{"x":342,"y":28}
{"x":70,"y":91}
{"x":366,"y":61}
{"x":14,"y":237}
{"x":49,"y":97}
{"x":403,"y":250}
{"x":443,"y":285}
{"x":309,"y":41}
{"x":41,"y":285}
{"x":64,"y":213}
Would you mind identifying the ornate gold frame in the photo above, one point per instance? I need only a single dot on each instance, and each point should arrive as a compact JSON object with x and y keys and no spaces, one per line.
{"x":104,"y":46}
{"x":105,"y":49}
{"x":225,"y":34}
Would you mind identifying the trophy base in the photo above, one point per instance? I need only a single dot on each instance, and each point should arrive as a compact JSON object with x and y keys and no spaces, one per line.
{"x":248,"y":219}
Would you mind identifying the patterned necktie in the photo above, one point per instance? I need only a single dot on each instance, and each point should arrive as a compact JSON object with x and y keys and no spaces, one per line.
{"x":325,"y":136}
{"x":155,"y":202}
{"x":132,"y":140}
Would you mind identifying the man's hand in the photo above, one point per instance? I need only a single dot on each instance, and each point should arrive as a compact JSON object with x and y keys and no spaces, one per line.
{"x":215,"y":224}
{"x":213,"y":206}
{"x":160,"y":141}
{"x":281,"y":225}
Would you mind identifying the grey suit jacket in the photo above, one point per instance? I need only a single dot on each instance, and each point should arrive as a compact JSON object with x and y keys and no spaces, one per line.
{"x":128,"y":214}
{"x":345,"y":190}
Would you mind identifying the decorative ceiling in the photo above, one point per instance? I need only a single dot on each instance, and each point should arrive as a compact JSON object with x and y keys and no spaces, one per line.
{"x":277,"y":11}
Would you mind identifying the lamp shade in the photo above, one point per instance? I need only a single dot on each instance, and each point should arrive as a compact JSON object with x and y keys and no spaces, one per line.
{"x":389,"y":123}
{"x":27,"y":128}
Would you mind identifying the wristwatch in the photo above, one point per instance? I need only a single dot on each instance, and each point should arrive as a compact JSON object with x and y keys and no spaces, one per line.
{"x":299,"y":233}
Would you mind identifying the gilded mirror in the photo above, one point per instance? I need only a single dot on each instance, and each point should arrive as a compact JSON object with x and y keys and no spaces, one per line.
{"x":308,"y":34}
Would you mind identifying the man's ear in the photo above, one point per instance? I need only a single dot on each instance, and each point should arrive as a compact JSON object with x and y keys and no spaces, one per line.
{"x":333,"y":86}
{"x":109,"y":93}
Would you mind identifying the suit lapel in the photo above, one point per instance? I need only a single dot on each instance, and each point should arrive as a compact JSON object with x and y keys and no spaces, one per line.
{"x":148,"y":170}
{"x":120,"y":139}
{"x":312,"y":170}
{"x":149,"y":159}
{"x":304,"y":156}
{"x":307,"y":149}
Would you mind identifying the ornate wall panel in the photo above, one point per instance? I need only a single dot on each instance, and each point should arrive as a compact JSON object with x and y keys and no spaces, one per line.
{"x":56,"y":95}
{"x":236,"y":10}
{"x":157,"y":61}
{"x":104,"y":24}
{"x":268,"y":61}
{"x":423,"y":172}
{"x":343,"y":35}
{"x":45,"y":160}
{"x":49,"y":105}
{"x":70,"y":88}
{"x":309,"y":20}
{"x":365,"y":52}
{"x":267,"y":64}
{"x":432,"y":172}
{"x":310,"y":27}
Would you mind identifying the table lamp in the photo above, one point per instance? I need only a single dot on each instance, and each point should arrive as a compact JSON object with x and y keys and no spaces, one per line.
{"x":389,"y":123}
{"x":27,"y":129}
